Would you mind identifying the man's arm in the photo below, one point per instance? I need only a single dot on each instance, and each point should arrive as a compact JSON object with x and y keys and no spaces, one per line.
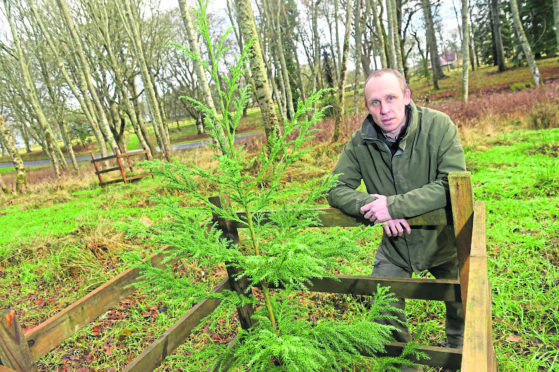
{"x":433,"y":195}
{"x":344,"y":195}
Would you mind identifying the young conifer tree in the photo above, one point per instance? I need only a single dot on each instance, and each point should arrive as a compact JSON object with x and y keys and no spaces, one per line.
{"x":280,"y":248}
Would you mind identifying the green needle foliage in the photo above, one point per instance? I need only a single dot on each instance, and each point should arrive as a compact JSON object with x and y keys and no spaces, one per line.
{"x":281,"y":248}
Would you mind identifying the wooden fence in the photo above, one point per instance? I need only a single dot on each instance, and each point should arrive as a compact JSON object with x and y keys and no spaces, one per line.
{"x":19,"y":350}
{"x":120,"y":167}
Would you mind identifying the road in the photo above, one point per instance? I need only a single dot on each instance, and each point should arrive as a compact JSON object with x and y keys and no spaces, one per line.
{"x":182,"y":146}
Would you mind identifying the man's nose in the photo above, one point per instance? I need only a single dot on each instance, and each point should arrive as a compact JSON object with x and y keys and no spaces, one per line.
{"x":383,"y":107}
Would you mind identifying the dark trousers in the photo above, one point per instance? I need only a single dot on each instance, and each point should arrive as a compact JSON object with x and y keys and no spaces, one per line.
{"x":454,"y":325}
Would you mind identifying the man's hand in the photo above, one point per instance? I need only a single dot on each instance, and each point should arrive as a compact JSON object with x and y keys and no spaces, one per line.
{"x":396,"y":227}
{"x":376,"y":211}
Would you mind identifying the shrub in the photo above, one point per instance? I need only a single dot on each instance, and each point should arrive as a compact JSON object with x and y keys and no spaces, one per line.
{"x":544,"y":115}
{"x":279,"y":249}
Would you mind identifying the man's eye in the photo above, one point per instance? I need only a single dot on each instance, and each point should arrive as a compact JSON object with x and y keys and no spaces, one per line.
{"x":390,"y":99}
{"x":375,"y":102}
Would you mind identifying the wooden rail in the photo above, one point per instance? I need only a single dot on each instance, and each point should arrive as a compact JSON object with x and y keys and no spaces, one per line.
{"x":19,"y":351}
{"x":120,"y":166}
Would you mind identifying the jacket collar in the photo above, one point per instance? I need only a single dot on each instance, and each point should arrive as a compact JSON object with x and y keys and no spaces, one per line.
{"x":370,"y":131}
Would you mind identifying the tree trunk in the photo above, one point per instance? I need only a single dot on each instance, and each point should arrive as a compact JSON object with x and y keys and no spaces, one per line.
{"x":133,"y":90}
{"x":316,"y":43}
{"x":465,"y":50}
{"x":359,"y":25}
{"x":277,"y":43}
{"x":3,"y":186}
{"x":31,"y":92}
{"x":497,"y":37}
{"x":394,"y":27}
{"x":193,"y":45}
{"x":8,"y":140}
{"x":25,"y":137}
{"x":84,"y":66}
{"x":380,"y":31}
{"x":68,"y":143}
{"x":263,"y":95}
{"x":524,"y":42}
{"x":340,"y":110}
{"x":556,"y":17}
{"x":431,"y":38}
{"x":157,"y":119}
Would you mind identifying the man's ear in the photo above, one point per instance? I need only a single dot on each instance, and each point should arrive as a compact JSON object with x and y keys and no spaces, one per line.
{"x":407,"y":96}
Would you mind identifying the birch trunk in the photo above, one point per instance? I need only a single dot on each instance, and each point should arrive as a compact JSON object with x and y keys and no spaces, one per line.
{"x":156,"y":116}
{"x":465,"y":50}
{"x":359,"y":25}
{"x":380,"y":33}
{"x":84,"y":67}
{"x":193,"y":44}
{"x":316,"y":43}
{"x":31,"y":92}
{"x":340,"y":110}
{"x":524,"y":42}
{"x":262,"y":88}
{"x":497,"y":37}
{"x":119,"y":82}
{"x":431,"y":38}
{"x":8,"y":140}
{"x":277,"y":43}
{"x":556,"y":17}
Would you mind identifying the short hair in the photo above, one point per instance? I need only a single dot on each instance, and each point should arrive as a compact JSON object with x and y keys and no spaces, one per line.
{"x":378,"y":73}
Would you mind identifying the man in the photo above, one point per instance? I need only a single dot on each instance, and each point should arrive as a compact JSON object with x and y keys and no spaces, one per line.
{"x":403,"y":154}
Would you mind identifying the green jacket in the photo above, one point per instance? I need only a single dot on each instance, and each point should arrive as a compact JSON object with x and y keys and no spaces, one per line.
{"x":415,"y":180}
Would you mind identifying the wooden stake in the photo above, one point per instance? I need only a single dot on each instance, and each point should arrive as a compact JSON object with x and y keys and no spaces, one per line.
{"x":231,"y":233}
{"x":461,"y":200}
{"x":14,"y":352}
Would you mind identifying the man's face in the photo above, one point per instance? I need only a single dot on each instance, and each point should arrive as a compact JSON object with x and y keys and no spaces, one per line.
{"x":386,"y":102}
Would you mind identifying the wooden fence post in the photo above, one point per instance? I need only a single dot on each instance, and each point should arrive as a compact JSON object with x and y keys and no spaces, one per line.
{"x":119,"y":160}
{"x":231,"y":233}
{"x":462,"y":202}
{"x":14,"y":351}
{"x":97,"y":170}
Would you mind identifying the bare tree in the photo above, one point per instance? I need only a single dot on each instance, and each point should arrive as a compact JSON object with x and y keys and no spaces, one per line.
{"x":339,"y":110}
{"x":273,"y":15}
{"x":8,"y":141}
{"x":465,"y":50}
{"x":247,"y":26}
{"x":84,"y":67}
{"x":130,"y":24}
{"x":431,"y":38}
{"x":524,"y":43}
{"x":556,"y":17}
{"x":359,"y":24}
{"x":381,"y":35}
{"x":497,"y":36}
{"x":31,"y":92}
{"x":193,"y":44}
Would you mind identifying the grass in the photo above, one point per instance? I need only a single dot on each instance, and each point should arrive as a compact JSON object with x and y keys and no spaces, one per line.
{"x":63,"y":239}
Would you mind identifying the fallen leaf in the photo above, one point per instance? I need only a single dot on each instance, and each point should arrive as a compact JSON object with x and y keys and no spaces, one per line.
{"x":513,"y":338}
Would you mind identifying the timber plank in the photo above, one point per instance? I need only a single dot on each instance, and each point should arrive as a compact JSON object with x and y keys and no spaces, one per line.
{"x":175,"y":336}
{"x":108,"y":170}
{"x":438,"y":356}
{"x":6,"y":369}
{"x":14,"y":351}
{"x":461,"y":199}
{"x":478,"y":349}
{"x":423,"y":289}
{"x":105,"y":158}
{"x":332,"y":217}
{"x":56,"y":329}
